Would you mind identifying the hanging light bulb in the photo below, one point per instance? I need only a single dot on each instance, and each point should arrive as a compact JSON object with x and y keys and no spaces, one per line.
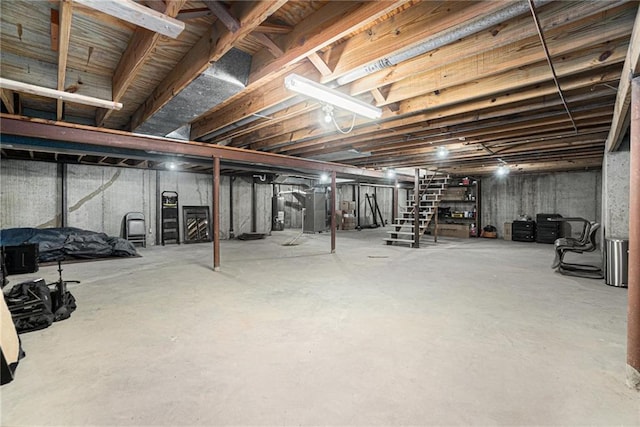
{"x":442,"y":152}
{"x":328,"y":113}
{"x":324,"y":177}
{"x":390,"y":173}
{"x":502,"y":170}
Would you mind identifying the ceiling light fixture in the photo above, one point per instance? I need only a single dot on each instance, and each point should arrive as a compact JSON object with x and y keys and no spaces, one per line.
{"x":502,"y":170}
{"x":442,"y":152}
{"x":336,"y":98}
{"x":172,"y":166}
{"x":324,"y":177}
{"x":390,"y":173}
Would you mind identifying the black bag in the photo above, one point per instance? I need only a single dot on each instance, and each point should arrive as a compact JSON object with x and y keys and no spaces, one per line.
{"x":62,"y":305}
{"x":30,"y":305}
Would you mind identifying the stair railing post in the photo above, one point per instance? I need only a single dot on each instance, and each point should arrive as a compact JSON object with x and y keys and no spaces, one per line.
{"x":416,"y":210}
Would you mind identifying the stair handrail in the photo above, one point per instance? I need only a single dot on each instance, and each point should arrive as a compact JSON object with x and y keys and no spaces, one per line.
{"x":417,"y":202}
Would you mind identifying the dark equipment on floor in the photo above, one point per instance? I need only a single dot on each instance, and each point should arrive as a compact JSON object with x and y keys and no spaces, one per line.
{"x":135,"y":229}
{"x":35,"y":305}
{"x":548,"y":231}
{"x":523,"y":231}
{"x":170,"y":231}
{"x":585,"y":243}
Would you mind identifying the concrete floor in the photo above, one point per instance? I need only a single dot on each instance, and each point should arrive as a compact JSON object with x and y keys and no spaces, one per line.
{"x":466,"y":332}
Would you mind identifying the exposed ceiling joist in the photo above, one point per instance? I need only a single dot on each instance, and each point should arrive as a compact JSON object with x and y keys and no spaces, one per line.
{"x":7,"y":99}
{"x":57,"y":94}
{"x":130,"y":11}
{"x":63,"y":49}
{"x":621,"y":117}
{"x":223,"y":15}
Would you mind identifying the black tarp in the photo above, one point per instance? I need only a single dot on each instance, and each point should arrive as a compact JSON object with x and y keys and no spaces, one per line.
{"x":68,"y":242}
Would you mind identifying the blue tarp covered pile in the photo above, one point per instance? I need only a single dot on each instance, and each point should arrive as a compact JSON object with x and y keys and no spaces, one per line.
{"x":68,"y":242}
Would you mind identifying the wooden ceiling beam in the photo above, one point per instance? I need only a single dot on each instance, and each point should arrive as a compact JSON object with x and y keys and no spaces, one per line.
{"x":560,"y":18}
{"x":496,"y":144}
{"x":589,"y":59}
{"x":137,"y":14}
{"x":267,"y":43}
{"x":212,"y":46}
{"x":319,"y":63}
{"x":514,"y":56}
{"x":320,"y":29}
{"x":221,"y":12}
{"x":408,"y":29}
{"x":7,"y":100}
{"x":426,"y":144}
{"x":621,"y":117}
{"x":57,"y":94}
{"x":63,"y":50}
{"x":512,"y":103}
{"x":139,"y":50}
{"x":269,"y":28}
{"x":460,"y":105}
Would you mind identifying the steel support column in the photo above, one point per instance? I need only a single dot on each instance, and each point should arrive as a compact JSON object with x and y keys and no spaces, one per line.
{"x":633,"y":310}
{"x":394,"y":210}
{"x":333,"y":212}
{"x":216,"y":214}
{"x":416,"y":210}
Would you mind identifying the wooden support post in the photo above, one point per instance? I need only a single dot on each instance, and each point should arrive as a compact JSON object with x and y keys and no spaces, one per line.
{"x":333,"y":212}
{"x":633,"y":309}
{"x":416,"y":210}
{"x":216,"y":214}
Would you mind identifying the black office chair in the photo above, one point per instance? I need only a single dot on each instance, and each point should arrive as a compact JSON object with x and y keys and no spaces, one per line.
{"x":586,"y":243}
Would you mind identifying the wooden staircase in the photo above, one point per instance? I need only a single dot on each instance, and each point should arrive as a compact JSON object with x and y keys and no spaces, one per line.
{"x":431,"y":189}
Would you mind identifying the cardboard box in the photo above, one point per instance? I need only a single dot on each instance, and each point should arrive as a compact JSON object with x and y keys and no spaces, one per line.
{"x":347,"y":206}
{"x":453,"y":230}
{"x":507,"y":231}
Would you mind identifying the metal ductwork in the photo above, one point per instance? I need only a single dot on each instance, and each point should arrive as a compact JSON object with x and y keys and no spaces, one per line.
{"x":221,"y":80}
{"x":440,"y":39}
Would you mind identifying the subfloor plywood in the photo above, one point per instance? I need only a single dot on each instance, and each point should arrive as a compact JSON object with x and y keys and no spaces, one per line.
{"x":471,"y":332}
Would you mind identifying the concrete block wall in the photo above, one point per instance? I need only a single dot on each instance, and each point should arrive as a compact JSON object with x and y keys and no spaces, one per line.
{"x":575,"y":194}
{"x":30,"y":194}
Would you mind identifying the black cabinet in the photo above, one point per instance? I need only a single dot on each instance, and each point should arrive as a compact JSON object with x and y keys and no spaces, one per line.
{"x":548,"y":231}
{"x":523,"y":231}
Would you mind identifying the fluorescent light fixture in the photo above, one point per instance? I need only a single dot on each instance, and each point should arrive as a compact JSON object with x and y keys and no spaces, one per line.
{"x":322,"y":93}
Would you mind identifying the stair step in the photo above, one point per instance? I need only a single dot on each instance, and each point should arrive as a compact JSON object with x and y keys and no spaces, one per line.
{"x":406,"y":233}
{"x":391,"y":240}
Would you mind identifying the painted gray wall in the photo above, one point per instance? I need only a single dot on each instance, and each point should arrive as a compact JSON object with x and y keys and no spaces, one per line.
{"x":30,"y":194}
{"x":615,"y":192}
{"x":571,"y":194}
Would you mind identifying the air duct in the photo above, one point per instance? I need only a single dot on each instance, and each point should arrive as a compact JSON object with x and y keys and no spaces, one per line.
{"x":223,"y":79}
